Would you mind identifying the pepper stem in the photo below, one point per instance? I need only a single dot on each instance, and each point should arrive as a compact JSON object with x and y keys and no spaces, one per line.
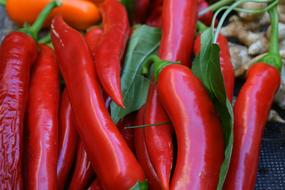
{"x":36,"y":27}
{"x":3,"y":2}
{"x":215,"y":6}
{"x":201,"y":26}
{"x":157,"y":63}
{"x":45,"y":40}
{"x":148,"y":125}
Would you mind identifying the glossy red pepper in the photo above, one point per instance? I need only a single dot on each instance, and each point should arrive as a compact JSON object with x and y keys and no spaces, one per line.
{"x":140,"y":10}
{"x":142,"y":153}
{"x":17,"y":54}
{"x":67,"y":140}
{"x":198,"y":130}
{"x":115,"y":166}
{"x":158,"y":139}
{"x":83,"y":173}
{"x":251,"y":111}
{"x":95,"y":185}
{"x":178,"y":30}
{"x":155,"y":13}
{"x":42,"y":146}
{"x":92,"y":37}
{"x":111,"y":47}
{"x":225,"y":61}
{"x":206,"y":18}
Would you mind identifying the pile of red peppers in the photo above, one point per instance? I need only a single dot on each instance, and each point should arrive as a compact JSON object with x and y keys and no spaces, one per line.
{"x":56,"y":126}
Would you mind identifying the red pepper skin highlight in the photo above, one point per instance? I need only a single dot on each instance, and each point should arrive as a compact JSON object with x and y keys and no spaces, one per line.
{"x":251,"y":111}
{"x":225,"y":61}
{"x":178,"y":30}
{"x":115,"y":166}
{"x":42,"y":147}
{"x":18,"y":52}
{"x":158,"y":139}
{"x":199,"y":134}
{"x":111,"y":47}
{"x":67,"y":140}
{"x":83,"y":172}
{"x":142,"y":153}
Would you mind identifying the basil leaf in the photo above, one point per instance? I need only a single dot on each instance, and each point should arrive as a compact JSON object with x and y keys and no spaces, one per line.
{"x":206,"y":67}
{"x":144,"y":42}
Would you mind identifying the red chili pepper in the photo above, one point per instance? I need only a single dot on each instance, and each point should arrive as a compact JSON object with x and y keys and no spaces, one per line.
{"x":18,"y":52}
{"x":110,"y":48}
{"x":142,"y":153}
{"x":128,"y":134}
{"x":83,"y":173}
{"x":158,"y":139}
{"x":206,"y":18}
{"x":92,"y":37}
{"x":42,"y":146}
{"x":140,"y":10}
{"x":154,"y":18}
{"x":115,"y":166}
{"x":67,"y":140}
{"x":251,"y":111}
{"x":225,"y":61}
{"x":95,"y":185}
{"x":178,"y":30}
{"x":199,"y":135}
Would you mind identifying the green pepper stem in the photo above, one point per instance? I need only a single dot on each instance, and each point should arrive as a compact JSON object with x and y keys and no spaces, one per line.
{"x":3,"y":2}
{"x":148,"y":125}
{"x":36,"y":27}
{"x":274,"y":38}
{"x":45,"y":40}
{"x":215,"y":6}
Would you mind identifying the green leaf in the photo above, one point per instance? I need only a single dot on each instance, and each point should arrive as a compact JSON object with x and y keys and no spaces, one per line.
{"x":140,"y":186}
{"x":206,"y":67}
{"x":144,"y":42}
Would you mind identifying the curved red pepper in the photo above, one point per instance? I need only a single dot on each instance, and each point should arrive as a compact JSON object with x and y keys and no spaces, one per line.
{"x":158,"y":139}
{"x":199,"y":134}
{"x":111,"y":47}
{"x":115,"y":166}
{"x":67,"y":140}
{"x":92,"y":37}
{"x":128,"y":134}
{"x":225,"y":61}
{"x":206,"y":18}
{"x":42,"y":146}
{"x":18,"y":52}
{"x":142,"y":153}
{"x":178,"y":30}
{"x":95,"y":185}
{"x":154,"y":18}
{"x":251,"y":111}
{"x":83,"y":172}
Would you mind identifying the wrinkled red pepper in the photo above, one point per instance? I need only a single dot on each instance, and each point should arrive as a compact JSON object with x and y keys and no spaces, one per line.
{"x":115,"y":166}
{"x":42,"y":145}
{"x":83,"y":173}
{"x":142,"y":153}
{"x":111,"y":47}
{"x":225,"y":61}
{"x":67,"y":140}
{"x":17,"y":54}
{"x":199,"y":135}
{"x":158,"y":139}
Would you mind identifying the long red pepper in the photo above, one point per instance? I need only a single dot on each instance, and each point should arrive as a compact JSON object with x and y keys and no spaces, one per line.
{"x":178,"y":30}
{"x":199,"y":134}
{"x":42,"y":149}
{"x":110,"y":48}
{"x":67,"y":140}
{"x":115,"y":164}
{"x":140,"y":10}
{"x":225,"y":61}
{"x":142,"y":153}
{"x":155,"y":13}
{"x":206,"y":18}
{"x":83,"y":173}
{"x":92,"y":37}
{"x":158,"y":139}
{"x":128,"y":134}
{"x":17,"y":53}
{"x":251,"y":111}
